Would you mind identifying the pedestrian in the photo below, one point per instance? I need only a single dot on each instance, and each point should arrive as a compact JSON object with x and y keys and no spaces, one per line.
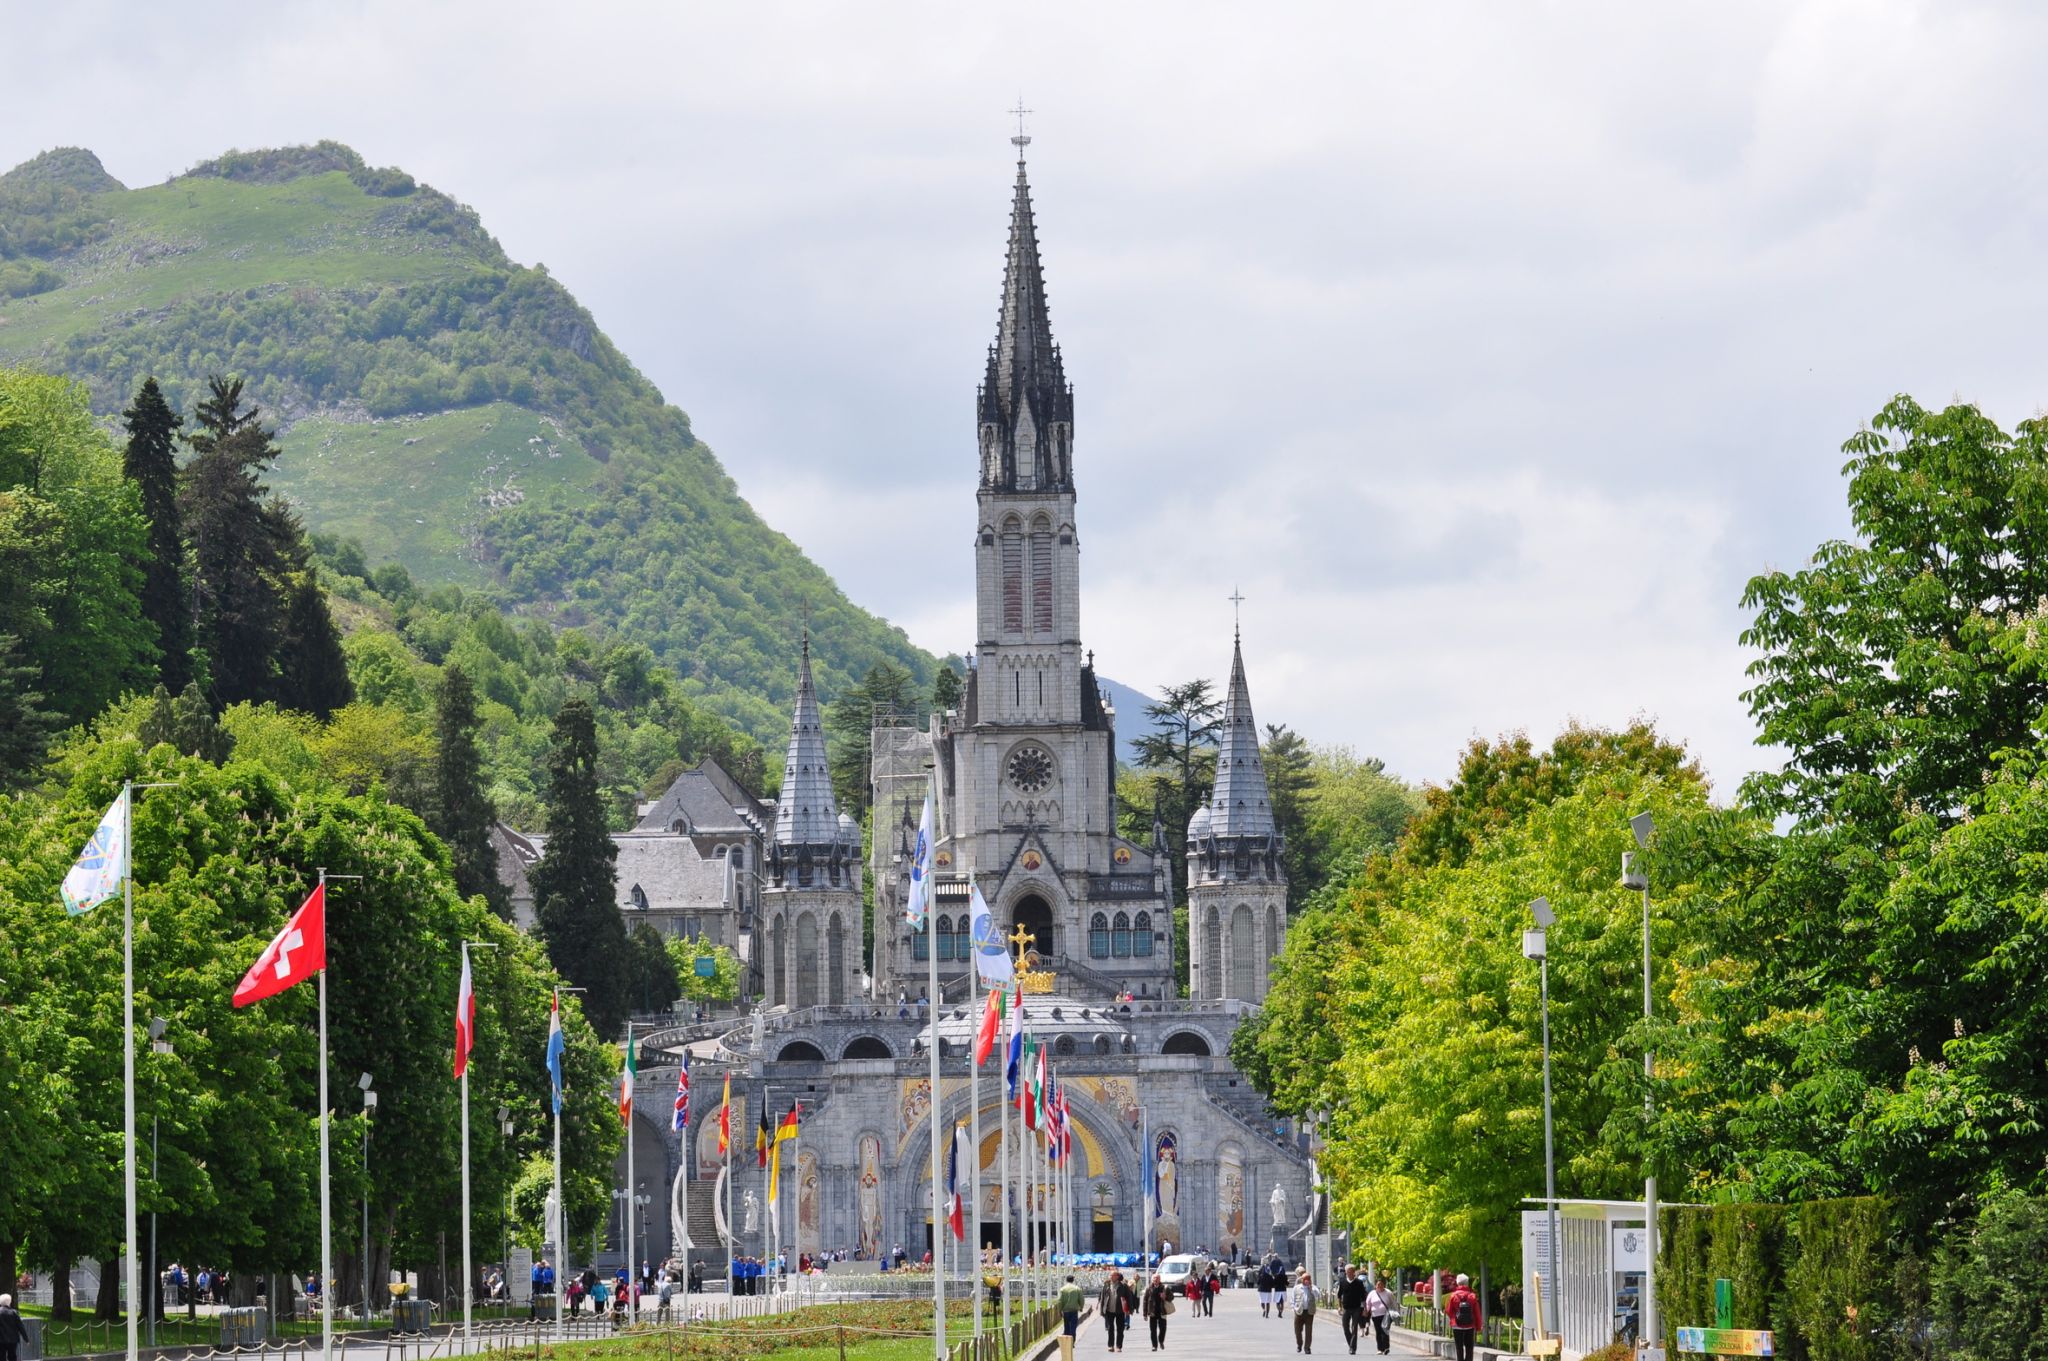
{"x":1301,"y":1305}
{"x":1379,"y":1307}
{"x":1461,"y":1309}
{"x":1158,"y":1304}
{"x":1214,"y":1284}
{"x":1351,"y":1293}
{"x":1264,"y":1280}
{"x":1069,"y":1304}
{"x":11,"y":1330}
{"x":1116,"y":1303}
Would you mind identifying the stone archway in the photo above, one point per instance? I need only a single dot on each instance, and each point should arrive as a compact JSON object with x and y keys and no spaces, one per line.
{"x":1034,"y":914}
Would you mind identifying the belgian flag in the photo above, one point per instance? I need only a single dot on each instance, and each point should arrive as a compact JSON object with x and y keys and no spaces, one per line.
{"x":761,"y":1138}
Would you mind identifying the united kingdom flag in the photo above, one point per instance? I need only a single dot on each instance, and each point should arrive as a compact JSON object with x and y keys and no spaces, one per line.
{"x":682,"y":1120}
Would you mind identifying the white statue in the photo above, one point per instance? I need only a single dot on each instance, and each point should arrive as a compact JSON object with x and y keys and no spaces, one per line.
{"x":1169,"y":1182}
{"x":753,"y":1220}
{"x":1279,"y":1204}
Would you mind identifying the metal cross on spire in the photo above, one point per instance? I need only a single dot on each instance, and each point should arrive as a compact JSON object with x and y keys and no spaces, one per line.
{"x":1236,"y":599}
{"x":1022,"y":139}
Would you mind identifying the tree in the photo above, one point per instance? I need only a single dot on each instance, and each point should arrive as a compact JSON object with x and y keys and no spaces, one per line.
{"x":947,"y":689}
{"x":723,"y":984}
{"x":652,"y":985}
{"x":150,"y":461}
{"x":1287,"y":760}
{"x":72,"y":548}
{"x":574,"y":890}
{"x":461,"y":812}
{"x":887,"y":694}
{"x":238,"y":610}
{"x":312,"y":673}
{"x":25,"y":724}
{"x":1180,"y":751}
{"x":186,"y":723}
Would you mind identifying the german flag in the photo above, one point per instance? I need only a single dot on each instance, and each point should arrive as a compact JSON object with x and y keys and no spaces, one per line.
{"x":788,"y":1128}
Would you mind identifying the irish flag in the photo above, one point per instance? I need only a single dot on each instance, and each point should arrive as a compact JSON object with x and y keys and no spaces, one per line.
{"x":991,"y":1022}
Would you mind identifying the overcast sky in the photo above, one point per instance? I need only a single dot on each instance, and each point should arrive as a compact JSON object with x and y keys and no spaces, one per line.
{"x":1489,"y":349}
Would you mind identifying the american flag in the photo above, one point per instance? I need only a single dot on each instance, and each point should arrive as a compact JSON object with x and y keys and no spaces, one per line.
{"x":682,"y":1120}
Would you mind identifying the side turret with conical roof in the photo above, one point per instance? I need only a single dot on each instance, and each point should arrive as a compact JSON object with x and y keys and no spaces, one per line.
{"x":1237,"y":889}
{"x":810,"y":907}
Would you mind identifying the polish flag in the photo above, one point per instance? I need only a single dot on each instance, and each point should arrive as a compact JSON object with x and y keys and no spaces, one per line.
{"x":299,"y":952}
{"x":465,"y":1019}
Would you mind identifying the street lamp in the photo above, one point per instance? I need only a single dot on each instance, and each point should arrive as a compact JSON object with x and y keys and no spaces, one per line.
{"x":1643,"y":827}
{"x":157,"y":1045}
{"x":505,"y":1215}
{"x":369,"y":1104}
{"x":1535,"y":946}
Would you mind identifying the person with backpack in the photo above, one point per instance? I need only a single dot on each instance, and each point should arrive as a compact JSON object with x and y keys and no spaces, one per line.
{"x":1301,"y":1306}
{"x":1461,"y":1311}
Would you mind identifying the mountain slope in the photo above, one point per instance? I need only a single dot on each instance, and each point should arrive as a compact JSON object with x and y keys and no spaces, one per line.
{"x":455,"y":411}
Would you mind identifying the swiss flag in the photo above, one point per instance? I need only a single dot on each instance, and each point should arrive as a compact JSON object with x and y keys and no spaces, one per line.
{"x":299,"y":952}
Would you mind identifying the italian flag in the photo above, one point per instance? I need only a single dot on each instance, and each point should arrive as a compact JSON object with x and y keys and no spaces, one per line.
{"x":991,"y":1023}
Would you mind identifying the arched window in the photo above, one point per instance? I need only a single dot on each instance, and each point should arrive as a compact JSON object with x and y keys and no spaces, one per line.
{"x":779,"y":992}
{"x":1272,"y":931}
{"x":1098,"y":937}
{"x":835,"y":961}
{"x":1243,"y":956}
{"x":739,"y":857}
{"x":1141,"y":936}
{"x":1063,"y":1045}
{"x":920,"y":945}
{"x":1013,"y":576}
{"x":946,"y":941}
{"x":807,"y":960}
{"x":1041,"y":577}
{"x":1120,"y":936}
{"x":1212,"y":954}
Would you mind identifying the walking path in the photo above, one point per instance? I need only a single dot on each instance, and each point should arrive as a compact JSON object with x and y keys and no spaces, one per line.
{"x":1235,"y":1333}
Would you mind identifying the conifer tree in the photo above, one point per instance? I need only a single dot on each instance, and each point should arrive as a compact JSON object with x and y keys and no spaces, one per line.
{"x":186,"y":723}
{"x":574,"y":901}
{"x":238,"y":615}
{"x":312,"y":673}
{"x":150,"y":462}
{"x":25,"y":724}
{"x":462,"y":811}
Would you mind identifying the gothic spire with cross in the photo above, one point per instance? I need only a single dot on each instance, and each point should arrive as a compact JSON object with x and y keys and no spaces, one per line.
{"x":1026,"y":409}
{"x":1242,"y":804}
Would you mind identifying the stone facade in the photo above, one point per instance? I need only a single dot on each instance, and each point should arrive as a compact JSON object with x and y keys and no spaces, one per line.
{"x":1023,"y":777}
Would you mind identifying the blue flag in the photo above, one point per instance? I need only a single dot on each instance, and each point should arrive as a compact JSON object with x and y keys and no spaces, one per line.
{"x":555,"y":1046}
{"x":1016,"y":1051}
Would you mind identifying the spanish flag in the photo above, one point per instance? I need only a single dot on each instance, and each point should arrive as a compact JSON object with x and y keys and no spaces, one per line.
{"x":725,"y":1117}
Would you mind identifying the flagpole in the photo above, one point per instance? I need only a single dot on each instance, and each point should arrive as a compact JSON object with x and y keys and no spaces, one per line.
{"x":1145,"y":1181}
{"x":1003,"y":1190}
{"x":732,"y":1234}
{"x":468,"y":1301}
{"x":974,"y":1184}
{"x":326,"y":1212}
{"x":561,"y":1209}
{"x":133,"y":1272}
{"x":932,"y":1013}
{"x":632,"y":1079}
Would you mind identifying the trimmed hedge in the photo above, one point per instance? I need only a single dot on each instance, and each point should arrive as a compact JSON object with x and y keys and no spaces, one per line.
{"x":1824,"y":1276}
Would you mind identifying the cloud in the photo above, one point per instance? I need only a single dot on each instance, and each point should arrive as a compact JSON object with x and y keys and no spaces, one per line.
{"x":1490,"y":348}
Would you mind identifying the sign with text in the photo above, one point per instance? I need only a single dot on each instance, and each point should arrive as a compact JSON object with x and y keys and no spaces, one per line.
{"x":1727,"y":1341}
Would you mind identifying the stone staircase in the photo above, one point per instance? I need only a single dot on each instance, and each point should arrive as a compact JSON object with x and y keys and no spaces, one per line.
{"x":1237,"y":1097}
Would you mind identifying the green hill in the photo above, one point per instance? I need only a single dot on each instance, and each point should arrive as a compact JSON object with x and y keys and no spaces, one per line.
{"x":449,"y":408}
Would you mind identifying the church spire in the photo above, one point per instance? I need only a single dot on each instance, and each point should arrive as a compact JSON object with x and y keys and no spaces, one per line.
{"x":1241,"y":805}
{"x":1026,"y":408}
{"x":805,"y":814}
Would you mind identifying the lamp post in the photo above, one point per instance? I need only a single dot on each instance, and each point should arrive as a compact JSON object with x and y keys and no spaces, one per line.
{"x":505,"y":1211}
{"x":157,"y":1045}
{"x":1535,"y":946}
{"x":1643,"y":827}
{"x":369,"y":1104}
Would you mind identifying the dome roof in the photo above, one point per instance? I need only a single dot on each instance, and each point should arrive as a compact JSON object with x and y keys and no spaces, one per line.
{"x":849,"y":830}
{"x":1049,"y":1016}
{"x":1198,"y":825}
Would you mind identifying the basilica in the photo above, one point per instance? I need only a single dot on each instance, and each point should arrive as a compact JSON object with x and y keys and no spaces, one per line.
{"x":1023,"y":779}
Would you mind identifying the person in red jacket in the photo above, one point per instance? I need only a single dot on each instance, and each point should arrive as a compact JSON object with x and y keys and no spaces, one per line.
{"x":1461,"y":1311}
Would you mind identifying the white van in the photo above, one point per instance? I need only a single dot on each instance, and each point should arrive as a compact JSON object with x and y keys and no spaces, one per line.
{"x":1175,"y":1270}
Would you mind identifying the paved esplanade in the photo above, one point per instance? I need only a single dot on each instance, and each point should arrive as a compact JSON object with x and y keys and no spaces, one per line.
{"x":1236,"y":1333}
